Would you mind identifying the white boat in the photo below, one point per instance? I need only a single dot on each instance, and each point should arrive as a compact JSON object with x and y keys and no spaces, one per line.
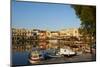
{"x":34,"y":57}
{"x":66,"y":52}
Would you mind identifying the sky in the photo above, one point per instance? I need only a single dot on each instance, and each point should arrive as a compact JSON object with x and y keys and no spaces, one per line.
{"x":46,"y":16}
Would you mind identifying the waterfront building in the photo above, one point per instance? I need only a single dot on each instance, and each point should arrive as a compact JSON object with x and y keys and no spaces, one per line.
{"x":42,"y":35}
{"x":54,"y":33}
{"x":23,"y":36}
{"x":70,"y":32}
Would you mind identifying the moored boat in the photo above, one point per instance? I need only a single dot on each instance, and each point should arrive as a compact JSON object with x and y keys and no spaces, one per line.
{"x":66,"y":52}
{"x":38,"y":55}
{"x":34,"y":57}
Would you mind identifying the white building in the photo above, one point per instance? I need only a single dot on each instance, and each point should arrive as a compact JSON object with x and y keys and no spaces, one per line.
{"x":70,"y":32}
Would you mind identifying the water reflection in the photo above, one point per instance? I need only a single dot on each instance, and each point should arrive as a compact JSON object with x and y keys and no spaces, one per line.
{"x":36,"y":44}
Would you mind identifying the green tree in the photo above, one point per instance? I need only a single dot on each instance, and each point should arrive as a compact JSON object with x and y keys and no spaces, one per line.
{"x":87,"y":15}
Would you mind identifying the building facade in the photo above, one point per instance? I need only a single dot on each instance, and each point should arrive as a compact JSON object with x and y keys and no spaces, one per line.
{"x":70,"y":32}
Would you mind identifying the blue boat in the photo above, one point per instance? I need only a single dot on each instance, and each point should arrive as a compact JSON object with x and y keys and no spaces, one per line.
{"x":39,"y":54}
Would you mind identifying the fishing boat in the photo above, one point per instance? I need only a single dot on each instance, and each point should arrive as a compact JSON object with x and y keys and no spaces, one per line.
{"x":38,"y":55}
{"x":34,"y":57}
{"x":66,"y":52}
